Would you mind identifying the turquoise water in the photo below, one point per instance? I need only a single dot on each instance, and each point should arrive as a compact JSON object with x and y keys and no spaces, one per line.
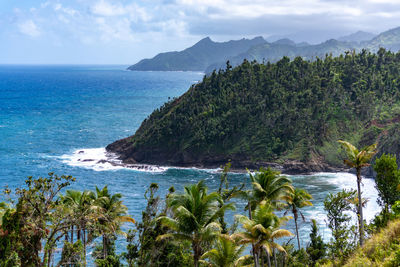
{"x":54,"y":117}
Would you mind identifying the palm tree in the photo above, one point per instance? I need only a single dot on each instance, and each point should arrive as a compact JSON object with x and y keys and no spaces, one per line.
{"x":194,"y":217}
{"x":226,"y":253}
{"x":269,"y":185}
{"x":112,"y":215}
{"x":262,"y":231}
{"x":82,"y":212}
{"x":358,"y":159}
{"x":71,"y":200}
{"x":299,"y":199}
{"x":81,"y":203}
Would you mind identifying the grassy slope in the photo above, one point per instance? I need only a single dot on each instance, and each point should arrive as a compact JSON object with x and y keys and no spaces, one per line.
{"x":382,"y":249}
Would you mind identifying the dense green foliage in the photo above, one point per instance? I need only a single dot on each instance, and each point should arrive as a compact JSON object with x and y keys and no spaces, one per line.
{"x":339,"y":221}
{"x":317,"y":249}
{"x":274,"y":112}
{"x":387,"y":180}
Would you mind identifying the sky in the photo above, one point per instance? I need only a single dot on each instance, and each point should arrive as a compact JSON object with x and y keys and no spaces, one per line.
{"x":125,"y":31}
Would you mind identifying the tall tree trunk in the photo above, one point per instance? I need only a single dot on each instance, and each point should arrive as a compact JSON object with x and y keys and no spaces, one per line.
{"x":360,"y":211}
{"x":297,"y":228}
{"x":45,"y":258}
{"x":253,"y":251}
{"x":104,"y":246}
{"x":196,"y":254}
{"x":84,"y":246}
{"x":78,"y":233}
{"x":256,"y":259}
{"x":268,"y":259}
{"x":72,"y":234}
{"x":49,"y":259}
{"x":261,"y":258}
{"x":276,"y":264}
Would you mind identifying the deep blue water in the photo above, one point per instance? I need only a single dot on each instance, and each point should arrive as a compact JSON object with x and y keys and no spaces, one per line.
{"x":49,"y":113}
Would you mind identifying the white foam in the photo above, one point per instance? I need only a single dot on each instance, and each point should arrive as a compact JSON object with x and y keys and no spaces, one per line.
{"x":213,"y":171}
{"x":98,"y":159}
{"x":344,"y":180}
{"x":91,"y":158}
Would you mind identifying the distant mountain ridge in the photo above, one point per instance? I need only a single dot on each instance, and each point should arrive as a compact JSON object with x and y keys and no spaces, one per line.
{"x":358,"y":37}
{"x":207,"y":55}
{"x":273,"y":52}
{"x":198,"y":57}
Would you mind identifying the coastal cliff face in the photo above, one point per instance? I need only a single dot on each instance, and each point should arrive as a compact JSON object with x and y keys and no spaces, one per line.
{"x":157,"y":156}
{"x":288,"y":115}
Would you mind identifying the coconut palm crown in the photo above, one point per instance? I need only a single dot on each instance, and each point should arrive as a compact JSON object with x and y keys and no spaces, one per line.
{"x":261,"y":231}
{"x":194,"y":217}
{"x":269,"y":185}
{"x":226,"y":253}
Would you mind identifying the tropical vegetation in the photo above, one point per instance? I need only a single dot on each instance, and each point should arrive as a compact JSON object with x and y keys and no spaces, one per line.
{"x":49,"y":224}
{"x":42,"y":219}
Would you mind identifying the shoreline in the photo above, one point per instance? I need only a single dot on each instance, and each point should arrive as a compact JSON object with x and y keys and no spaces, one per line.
{"x":99,"y":159}
{"x":290,"y":167}
{"x":367,"y":172}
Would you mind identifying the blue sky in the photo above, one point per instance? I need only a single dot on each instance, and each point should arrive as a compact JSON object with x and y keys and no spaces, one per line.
{"x":125,"y":31}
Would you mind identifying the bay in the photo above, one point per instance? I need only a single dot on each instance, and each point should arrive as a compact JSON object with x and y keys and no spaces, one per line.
{"x":59,"y":119}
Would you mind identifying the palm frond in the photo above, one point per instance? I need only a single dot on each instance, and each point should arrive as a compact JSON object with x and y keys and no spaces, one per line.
{"x":351,"y":150}
{"x":278,"y":247}
{"x":169,"y":222}
{"x":281,"y":233}
{"x":174,"y":236}
{"x":242,"y":259}
{"x":127,"y":219}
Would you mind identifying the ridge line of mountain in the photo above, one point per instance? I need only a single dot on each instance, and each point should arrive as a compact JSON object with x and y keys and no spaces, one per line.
{"x":207,"y":55}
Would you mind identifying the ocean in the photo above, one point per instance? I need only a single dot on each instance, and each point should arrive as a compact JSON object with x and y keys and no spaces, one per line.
{"x":60,"y":118}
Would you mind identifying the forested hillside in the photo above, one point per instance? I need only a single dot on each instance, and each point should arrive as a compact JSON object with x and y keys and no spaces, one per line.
{"x":289,"y":112}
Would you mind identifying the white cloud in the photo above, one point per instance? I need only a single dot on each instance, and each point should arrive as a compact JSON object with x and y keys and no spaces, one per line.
{"x":115,"y":30}
{"x":257,"y":8}
{"x":91,"y":22}
{"x":394,"y":2}
{"x":104,"y":8}
{"x":67,"y":10}
{"x":45,"y":4}
{"x":29,"y":28}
